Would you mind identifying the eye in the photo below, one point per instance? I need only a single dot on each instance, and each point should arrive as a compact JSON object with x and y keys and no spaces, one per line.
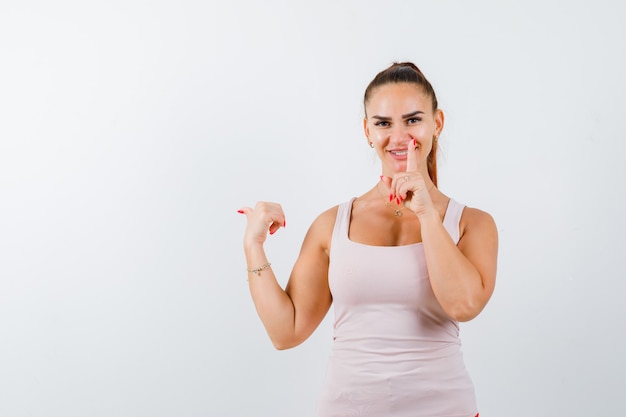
{"x":381,"y":123}
{"x":413,"y":120}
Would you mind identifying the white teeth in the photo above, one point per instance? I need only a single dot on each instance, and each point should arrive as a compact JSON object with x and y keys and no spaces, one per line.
{"x":399,"y":152}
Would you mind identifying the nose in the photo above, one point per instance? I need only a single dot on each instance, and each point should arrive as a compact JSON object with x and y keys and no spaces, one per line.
{"x":400,"y":135}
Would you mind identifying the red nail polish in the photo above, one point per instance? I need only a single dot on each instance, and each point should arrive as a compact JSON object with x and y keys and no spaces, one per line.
{"x":240,"y":211}
{"x":381,"y":177}
{"x":390,"y":196}
{"x":272,"y":232}
{"x":414,"y":142}
{"x":285,"y":223}
{"x":398,"y":200}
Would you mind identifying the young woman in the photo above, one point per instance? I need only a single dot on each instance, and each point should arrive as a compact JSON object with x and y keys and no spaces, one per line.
{"x":402,"y":263}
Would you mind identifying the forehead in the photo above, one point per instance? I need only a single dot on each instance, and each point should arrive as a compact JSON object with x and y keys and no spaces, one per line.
{"x":398,"y":97}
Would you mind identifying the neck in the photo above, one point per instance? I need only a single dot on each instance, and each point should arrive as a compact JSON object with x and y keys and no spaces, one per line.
{"x":430,"y":185}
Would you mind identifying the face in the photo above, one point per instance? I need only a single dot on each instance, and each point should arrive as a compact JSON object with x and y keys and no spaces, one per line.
{"x":397,"y":114}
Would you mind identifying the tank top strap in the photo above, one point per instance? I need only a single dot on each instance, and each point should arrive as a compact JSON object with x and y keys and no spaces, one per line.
{"x":452,"y":219}
{"x":342,"y":223}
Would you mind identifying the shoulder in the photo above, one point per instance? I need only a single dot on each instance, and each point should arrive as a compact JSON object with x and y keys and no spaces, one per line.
{"x":321,"y":230}
{"x":327,"y":216}
{"x":325,"y":221}
{"x":474,"y":220}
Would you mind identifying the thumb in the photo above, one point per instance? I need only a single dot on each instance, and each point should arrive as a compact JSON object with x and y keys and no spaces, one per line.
{"x":245,"y":210}
{"x":386,"y":180}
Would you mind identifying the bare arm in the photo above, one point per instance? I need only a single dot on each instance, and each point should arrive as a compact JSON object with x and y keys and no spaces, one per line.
{"x":290,"y":316}
{"x":462,"y":277}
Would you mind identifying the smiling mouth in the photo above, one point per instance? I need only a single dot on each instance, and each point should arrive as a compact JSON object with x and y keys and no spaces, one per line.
{"x":399,"y":153}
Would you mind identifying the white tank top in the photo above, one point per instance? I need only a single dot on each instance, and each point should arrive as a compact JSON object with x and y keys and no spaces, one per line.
{"x":395,"y":351}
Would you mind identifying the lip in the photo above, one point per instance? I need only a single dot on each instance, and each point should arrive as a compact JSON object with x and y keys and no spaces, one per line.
{"x":399,"y":154}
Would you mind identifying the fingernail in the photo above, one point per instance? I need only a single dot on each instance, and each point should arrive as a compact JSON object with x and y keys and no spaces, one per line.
{"x":390,"y":196}
{"x":240,"y":211}
{"x":398,"y":200}
{"x":414,"y":142}
{"x":285,"y":223}
{"x":381,"y":177}
{"x":272,"y":232}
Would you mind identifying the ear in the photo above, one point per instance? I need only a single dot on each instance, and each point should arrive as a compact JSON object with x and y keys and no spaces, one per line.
{"x":366,"y":130}
{"x":439,"y":122}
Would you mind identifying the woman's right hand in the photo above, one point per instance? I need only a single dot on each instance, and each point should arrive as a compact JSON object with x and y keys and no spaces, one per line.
{"x":263,"y":218}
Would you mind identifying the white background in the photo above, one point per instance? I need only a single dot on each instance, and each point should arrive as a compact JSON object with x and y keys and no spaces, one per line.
{"x":132,"y":131}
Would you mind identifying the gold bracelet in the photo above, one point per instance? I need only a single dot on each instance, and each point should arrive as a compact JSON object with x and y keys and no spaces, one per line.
{"x":257,"y":271}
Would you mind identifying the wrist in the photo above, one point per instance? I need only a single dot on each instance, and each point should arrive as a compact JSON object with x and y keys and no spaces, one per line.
{"x":252,"y":246}
{"x":428,"y":216}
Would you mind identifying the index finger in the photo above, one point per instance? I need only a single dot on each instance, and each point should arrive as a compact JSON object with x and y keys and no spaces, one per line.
{"x":411,"y":157}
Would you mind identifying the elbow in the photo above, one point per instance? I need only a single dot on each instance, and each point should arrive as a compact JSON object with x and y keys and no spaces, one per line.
{"x":464,"y":317}
{"x":465,"y":306}
{"x":284,"y":344}
{"x":283,"y":347}
{"x":463,"y":312}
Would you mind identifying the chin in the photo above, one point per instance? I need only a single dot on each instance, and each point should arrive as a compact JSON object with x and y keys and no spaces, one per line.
{"x":397,"y":167}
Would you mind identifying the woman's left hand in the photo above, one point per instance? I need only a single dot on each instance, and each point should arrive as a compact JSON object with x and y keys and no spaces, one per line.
{"x":410,"y":188}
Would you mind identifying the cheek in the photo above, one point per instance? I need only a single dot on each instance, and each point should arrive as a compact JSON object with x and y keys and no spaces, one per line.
{"x":421,"y":130}
{"x":377,"y":135}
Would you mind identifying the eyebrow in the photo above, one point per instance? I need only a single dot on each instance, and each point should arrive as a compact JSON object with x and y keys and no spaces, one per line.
{"x":415,"y":113}
{"x":404,"y":116}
